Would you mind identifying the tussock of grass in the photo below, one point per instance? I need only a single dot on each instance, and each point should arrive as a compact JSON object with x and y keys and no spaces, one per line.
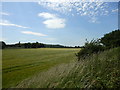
{"x":97,"y":71}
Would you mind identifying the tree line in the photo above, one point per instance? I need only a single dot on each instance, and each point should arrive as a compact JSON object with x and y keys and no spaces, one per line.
{"x":3,"y":45}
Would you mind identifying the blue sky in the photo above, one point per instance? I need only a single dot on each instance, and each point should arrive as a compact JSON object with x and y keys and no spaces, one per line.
{"x":57,"y":23}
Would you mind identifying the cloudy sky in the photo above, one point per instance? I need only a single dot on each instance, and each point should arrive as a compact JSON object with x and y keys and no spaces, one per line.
{"x":65,"y":23}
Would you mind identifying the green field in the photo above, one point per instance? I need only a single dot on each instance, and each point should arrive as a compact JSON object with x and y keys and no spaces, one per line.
{"x":20,"y":64}
{"x":101,"y":70}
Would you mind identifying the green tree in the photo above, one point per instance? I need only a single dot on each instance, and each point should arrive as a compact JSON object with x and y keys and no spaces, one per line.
{"x":111,"y":39}
{"x":2,"y":45}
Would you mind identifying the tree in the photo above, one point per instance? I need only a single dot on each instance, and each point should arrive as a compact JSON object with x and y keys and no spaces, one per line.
{"x":19,"y":44}
{"x":2,"y":45}
{"x":111,"y":39}
{"x":25,"y":45}
{"x":29,"y":45}
{"x":41,"y":45}
{"x":35,"y":45}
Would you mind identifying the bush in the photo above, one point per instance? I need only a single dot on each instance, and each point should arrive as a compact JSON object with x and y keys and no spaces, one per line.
{"x":89,"y":48}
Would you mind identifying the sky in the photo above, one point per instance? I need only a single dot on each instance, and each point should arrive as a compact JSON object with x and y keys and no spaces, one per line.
{"x":65,"y":23}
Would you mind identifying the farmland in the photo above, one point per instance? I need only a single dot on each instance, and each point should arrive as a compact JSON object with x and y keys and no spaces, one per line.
{"x":20,"y":64}
{"x":100,"y":70}
{"x":58,"y":68}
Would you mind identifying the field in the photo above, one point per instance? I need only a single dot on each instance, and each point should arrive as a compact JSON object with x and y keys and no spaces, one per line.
{"x":100,"y":70}
{"x":20,"y":64}
{"x":58,"y":68}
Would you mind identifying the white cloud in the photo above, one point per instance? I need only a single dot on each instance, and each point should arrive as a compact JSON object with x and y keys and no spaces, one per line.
{"x":47,"y":15}
{"x":4,"y":13}
{"x":115,"y":10}
{"x":33,"y":33}
{"x":52,"y":21}
{"x":89,"y":9}
{"x":55,"y":23}
{"x":7,"y":23}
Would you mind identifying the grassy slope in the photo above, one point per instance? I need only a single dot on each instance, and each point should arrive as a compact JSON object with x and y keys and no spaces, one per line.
{"x":19,"y":64}
{"x":100,"y":70}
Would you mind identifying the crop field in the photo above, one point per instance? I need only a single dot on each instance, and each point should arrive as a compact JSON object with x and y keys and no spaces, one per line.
{"x":20,"y":64}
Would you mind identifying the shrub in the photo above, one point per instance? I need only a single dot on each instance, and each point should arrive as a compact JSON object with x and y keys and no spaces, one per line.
{"x":91,"y":47}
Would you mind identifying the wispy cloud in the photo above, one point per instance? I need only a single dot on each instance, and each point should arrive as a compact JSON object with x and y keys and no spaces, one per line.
{"x":7,"y":23}
{"x":4,"y":13}
{"x":33,"y":33}
{"x":52,"y":20}
{"x":90,"y":9}
{"x":94,"y":20}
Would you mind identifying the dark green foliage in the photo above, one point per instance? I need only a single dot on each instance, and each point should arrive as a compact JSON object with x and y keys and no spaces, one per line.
{"x":89,"y":48}
{"x":33,"y":45}
{"x":27,"y":45}
{"x":37,"y":45}
{"x":2,"y":45}
{"x":111,"y":39}
{"x":18,"y":44}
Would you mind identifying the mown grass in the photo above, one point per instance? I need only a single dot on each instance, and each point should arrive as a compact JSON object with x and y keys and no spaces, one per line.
{"x":100,"y":70}
{"x":19,"y":64}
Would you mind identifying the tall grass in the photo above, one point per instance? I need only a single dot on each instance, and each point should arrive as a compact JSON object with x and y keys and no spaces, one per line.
{"x":100,"y":70}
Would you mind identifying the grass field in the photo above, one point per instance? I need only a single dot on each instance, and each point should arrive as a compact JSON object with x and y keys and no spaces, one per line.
{"x":58,"y":68}
{"x":100,"y":70}
{"x":19,"y":64}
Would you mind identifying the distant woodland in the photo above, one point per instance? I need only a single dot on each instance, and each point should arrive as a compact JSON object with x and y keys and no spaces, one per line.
{"x":3,"y":45}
